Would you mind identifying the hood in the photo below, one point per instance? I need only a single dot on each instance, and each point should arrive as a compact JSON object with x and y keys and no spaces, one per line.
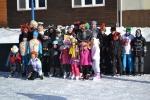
{"x":138,"y":33}
{"x":96,"y":41}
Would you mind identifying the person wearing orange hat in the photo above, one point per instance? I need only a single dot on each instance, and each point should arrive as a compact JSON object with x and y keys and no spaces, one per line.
{"x":34,"y":67}
{"x":103,"y":44}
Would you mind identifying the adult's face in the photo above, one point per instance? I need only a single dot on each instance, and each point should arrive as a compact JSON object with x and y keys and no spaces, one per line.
{"x":127,"y":33}
{"x":83,"y":27}
{"x":51,"y":30}
{"x":24,"y":39}
{"x":93,"y":25}
{"x":102,"y":32}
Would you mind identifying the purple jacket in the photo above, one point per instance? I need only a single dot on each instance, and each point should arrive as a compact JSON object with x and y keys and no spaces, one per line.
{"x":36,"y":64}
{"x":85,"y":57}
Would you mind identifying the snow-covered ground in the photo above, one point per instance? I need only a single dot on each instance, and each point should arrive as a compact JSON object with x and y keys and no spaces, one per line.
{"x":12,"y":35}
{"x":108,"y":88}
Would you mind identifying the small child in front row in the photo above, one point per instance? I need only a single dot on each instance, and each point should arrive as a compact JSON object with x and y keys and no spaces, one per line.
{"x":64,"y":58}
{"x":74,"y":52}
{"x":85,"y":59}
{"x":95,"y":54}
{"x":54,"y":60}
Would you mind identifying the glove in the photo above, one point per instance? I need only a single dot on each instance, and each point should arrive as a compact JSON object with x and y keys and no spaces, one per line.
{"x":144,"y":54}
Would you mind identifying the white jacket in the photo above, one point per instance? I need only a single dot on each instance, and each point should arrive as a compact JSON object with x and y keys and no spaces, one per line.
{"x":95,"y":51}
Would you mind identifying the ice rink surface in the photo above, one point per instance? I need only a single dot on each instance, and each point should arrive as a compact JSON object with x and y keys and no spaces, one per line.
{"x":108,"y":88}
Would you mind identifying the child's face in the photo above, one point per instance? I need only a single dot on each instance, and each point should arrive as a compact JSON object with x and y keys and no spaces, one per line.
{"x":85,"y":47}
{"x":55,"y":46}
{"x":92,"y":41}
{"x":32,"y":56}
{"x":24,"y":39}
{"x":25,"y":30}
{"x":70,"y":30}
{"x":40,"y":29}
{"x":73,"y":43}
{"x":34,"y":37}
{"x":102,"y":32}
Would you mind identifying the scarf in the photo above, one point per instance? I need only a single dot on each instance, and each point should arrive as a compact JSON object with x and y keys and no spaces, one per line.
{"x":72,"y":51}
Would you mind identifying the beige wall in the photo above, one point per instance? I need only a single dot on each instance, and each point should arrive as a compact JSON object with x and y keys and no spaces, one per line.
{"x":135,"y":4}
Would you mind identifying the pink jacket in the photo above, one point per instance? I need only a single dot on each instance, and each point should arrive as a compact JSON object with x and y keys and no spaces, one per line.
{"x":85,"y":57}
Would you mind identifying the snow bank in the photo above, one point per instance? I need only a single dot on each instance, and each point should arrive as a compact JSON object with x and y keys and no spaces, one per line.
{"x":12,"y":35}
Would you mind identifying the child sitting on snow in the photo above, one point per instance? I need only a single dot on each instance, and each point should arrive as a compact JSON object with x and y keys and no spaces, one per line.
{"x":34,"y":67}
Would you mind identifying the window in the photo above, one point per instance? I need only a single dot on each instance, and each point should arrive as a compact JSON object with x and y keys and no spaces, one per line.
{"x":87,"y":3}
{"x":26,"y":4}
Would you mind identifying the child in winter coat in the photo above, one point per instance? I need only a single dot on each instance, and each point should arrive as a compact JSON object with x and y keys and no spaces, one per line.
{"x":74,"y":52}
{"x":34,"y":67}
{"x":54,"y":60}
{"x":64,"y":58}
{"x":23,"y":51}
{"x":85,"y":59}
{"x":15,"y":61}
{"x":95,"y":54}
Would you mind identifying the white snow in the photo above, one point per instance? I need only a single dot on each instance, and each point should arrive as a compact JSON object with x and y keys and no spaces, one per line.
{"x":108,"y":88}
{"x":12,"y":35}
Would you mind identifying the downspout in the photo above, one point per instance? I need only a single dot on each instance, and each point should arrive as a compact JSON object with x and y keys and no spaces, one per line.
{"x":32,"y":10}
{"x":120,"y":13}
{"x":117,"y":24}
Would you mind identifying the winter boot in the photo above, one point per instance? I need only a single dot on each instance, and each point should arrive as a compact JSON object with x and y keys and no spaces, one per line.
{"x":65,"y":75}
{"x":77,"y":77}
{"x":72,"y":77}
{"x":50,"y":75}
{"x":11,"y":74}
{"x":41,"y":77}
{"x":29,"y":75}
{"x":124,"y":73}
{"x":97,"y":77}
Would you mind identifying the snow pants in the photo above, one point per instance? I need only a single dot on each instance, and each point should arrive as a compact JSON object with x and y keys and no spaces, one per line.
{"x":66,"y":68}
{"x":24,"y":63}
{"x":75,"y":69}
{"x":116,"y":64}
{"x":139,"y":64}
{"x":95,"y":66}
{"x":85,"y":69}
{"x":128,"y":58}
{"x":15,"y":67}
{"x":34,"y":73}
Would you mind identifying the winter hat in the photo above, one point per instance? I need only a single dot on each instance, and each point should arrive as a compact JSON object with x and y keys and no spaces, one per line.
{"x":138,"y":33}
{"x":77,"y":23}
{"x":128,"y":29}
{"x":103,"y":27}
{"x":87,"y":25}
{"x":46,"y":33}
{"x":33,"y":22}
{"x":51,"y":26}
{"x":35,"y":33}
{"x":70,"y":27}
{"x":55,"y":42}
{"x":34,"y":53}
{"x":93,"y":22}
{"x":25,"y":26}
{"x":25,"y":35}
{"x":58,"y":30}
{"x":113,"y":29}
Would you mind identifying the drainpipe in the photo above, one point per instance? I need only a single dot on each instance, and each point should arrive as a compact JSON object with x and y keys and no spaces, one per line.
{"x":32,"y":10}
{"x":120,"y":13}
{"x":117,"y":24}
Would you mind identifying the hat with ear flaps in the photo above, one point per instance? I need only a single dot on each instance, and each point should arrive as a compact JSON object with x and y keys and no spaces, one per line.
{"x":103,"y":27}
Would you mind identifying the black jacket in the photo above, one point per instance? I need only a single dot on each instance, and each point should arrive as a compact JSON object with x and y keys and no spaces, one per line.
{"x":103,"y":41}
{"x":28,"y":37}
{"x":46,"y":46}
{"x":84,"y":36}
{"x":116,"y":48}
{"x":138,"y":46}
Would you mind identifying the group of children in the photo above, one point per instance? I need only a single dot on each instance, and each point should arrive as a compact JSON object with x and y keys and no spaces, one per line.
{"x":75,"y":53}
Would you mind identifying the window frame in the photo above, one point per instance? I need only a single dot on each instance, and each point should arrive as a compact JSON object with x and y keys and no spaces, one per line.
{"x":27,"y":5}
{"x":83,"y":4}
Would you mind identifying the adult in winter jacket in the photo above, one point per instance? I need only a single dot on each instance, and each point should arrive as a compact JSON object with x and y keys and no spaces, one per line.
{"x":108,"y":57}
{"x":103,"y":44}
{"x":40,"y":32}
{"x":95,"y":55}
{"x":84,"y":34}
{"x":34,"y":67}
{"x":94,"y":30}
{"x":127,"y":56}
{"x":116,"y":49}
{"x":139,"y":52}
{"x":52,"y":32}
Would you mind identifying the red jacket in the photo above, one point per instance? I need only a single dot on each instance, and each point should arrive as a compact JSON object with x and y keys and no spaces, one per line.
{"x":15,"y":58}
